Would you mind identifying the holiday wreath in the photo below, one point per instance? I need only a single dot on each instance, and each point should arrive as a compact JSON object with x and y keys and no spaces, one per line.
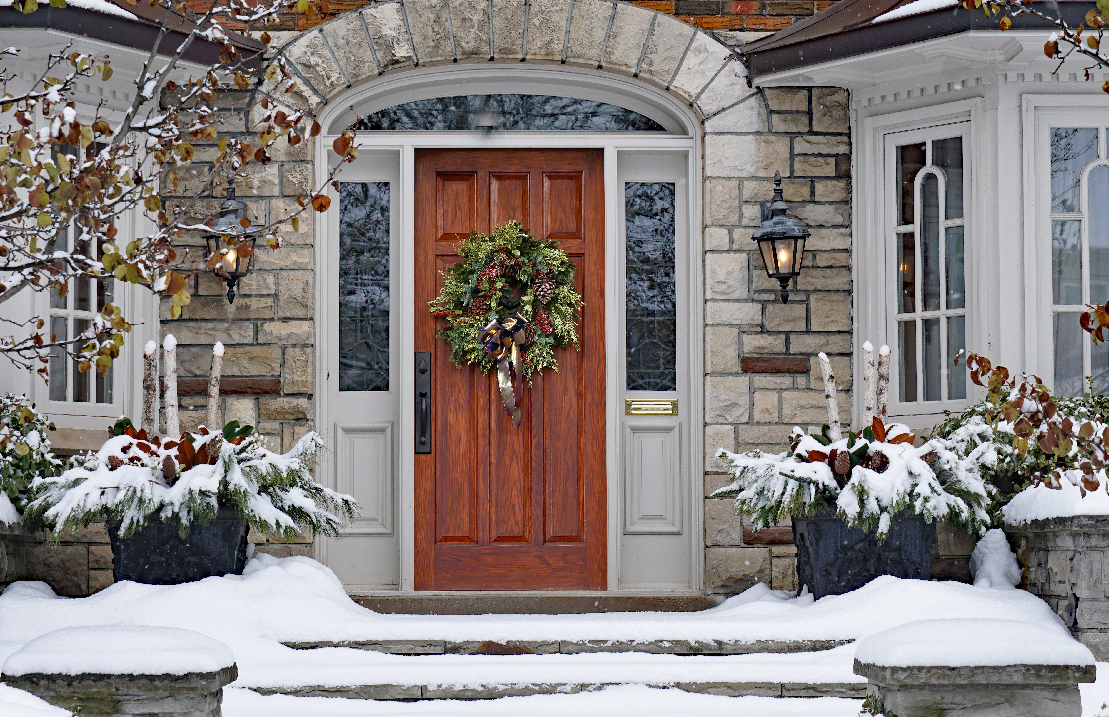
{"x":508,"y":303}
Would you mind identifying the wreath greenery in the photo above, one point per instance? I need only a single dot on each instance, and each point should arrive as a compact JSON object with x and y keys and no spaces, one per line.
{"x":498,"y":267}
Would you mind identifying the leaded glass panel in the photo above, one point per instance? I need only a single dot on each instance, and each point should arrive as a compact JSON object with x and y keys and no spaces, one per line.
{"x":650,"y":284}
{"x":508,"y":112}
{"x":364,"y":286}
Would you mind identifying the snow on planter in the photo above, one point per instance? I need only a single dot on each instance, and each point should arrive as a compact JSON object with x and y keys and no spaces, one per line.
{"x":1040,"y":502}
{"x":17,"y":703}
{"x":119,"y":650}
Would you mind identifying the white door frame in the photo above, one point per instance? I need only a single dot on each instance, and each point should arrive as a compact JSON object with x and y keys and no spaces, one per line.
{"x":556,"y":81}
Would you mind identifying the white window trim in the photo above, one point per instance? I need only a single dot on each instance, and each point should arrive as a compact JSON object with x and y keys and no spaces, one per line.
{"x":1039,"y":113}
{"x":872,"y":222}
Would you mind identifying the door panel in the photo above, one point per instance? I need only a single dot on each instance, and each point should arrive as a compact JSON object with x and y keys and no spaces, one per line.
{"x":499,"y":508}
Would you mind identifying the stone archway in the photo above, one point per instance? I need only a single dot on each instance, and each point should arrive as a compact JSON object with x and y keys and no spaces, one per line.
{"x":616,"y":37}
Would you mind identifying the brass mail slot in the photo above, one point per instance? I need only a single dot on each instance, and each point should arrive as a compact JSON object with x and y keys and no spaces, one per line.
{"x":649,"y":407}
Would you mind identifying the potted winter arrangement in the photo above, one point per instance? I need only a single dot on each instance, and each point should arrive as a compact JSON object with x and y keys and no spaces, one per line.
{"x":178,"y":507}
{"x":864,"y":503}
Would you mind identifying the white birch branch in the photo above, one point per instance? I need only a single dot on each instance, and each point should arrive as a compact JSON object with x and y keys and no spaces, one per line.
{"x":830,"y":397}
{"x":883,"y":381}
{"x":173,"y":422}
{"x":212,"y":420}
{"x":869,"y":389}
{"x":150,"y":389}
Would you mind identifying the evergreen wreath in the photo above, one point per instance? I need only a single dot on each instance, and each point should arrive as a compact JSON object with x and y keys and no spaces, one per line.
{"x":492,"y":269}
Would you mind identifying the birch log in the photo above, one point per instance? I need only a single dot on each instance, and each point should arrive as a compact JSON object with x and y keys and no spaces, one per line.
{"x":212,"y":420}
{"x":869,"y":389}
{"x":883,"y":381}
{"x":830,"y":396}
{"x":173,"y":422}
{"x":150,"y":389}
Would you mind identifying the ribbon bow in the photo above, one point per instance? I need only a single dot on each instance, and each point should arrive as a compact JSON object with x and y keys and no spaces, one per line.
{"x":503,"y":339}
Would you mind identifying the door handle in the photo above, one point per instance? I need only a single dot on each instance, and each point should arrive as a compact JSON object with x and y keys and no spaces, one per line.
{"x":423,"y":402}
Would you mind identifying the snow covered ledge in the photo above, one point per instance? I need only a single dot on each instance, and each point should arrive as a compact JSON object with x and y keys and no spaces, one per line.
{"x":124,"y":670}
{"x":991,"y":668}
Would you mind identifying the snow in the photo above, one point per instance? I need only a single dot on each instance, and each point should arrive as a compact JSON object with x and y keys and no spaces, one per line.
{"x":8,"y":514}
{"x":916,"y":7}
{"x":101,"y":6}
{"x":981,"y":642}
{"x":635,"y":700}
{"x":170,"y":342}
{"x":217,"y":348}
{"x":150,"y":348}
{"x":993,"y":564}
{"x":1040,"y":502}
{"x":17,"y":703}
{"x":136,"y":650}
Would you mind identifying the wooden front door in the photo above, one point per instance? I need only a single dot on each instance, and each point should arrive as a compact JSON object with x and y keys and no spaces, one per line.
{"x":499,"y":508}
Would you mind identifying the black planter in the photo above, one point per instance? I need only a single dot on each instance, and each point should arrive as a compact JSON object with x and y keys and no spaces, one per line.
{"x":833,"y":559}
{"x":158,"y":555}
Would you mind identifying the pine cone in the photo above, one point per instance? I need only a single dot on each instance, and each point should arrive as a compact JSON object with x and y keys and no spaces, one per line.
{"x":544,"y":288}
{"x":478,"y":307}
{"x":169,"y":471}
{"x":842,"y":463}
{"x":531,"y":332}
{"x":879,"y":462}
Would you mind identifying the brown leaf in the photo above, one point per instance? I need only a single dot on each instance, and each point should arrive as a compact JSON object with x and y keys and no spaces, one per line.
{"x":817,"y":456}
{"x":879,"y":429}
{"x":174,"y":283}
{"x":321,"y":202}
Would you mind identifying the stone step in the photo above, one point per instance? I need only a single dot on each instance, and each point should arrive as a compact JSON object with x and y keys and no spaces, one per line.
{"x":573,"y":647}
{"x":515,"y":603}
{"x":853,"y":690}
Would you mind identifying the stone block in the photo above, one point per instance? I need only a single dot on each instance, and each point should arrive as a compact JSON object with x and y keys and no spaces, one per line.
{"x":547,"y":21}
{"x":722,"y":525}
{"x":825,"y":239}
{"x":727,"y":399}
{"x":717,"y":437}
{"x":831,"y":258}
{"x":821,"y":214}
{"x":296,"y":178}
{"x":65,"y":568}
{"x":764,"y":344}
{"x":725,"y":90}
{"x":833,"y":279}
{"x":822,"y":144}
{"x":1092,"y":613}
{"x":771,"y":381}
{"x":95,"y":533}
{"x":257,"y":180}
{"x":385,"y":28}
{"x":726,"y":276}
{"x":800,"y":407}
{"x":746,"y":155}
{"x":747,"y":437}
{"x":986,"y":700}
{"x":805,"y":165}
{"x":216,"y":308}
{"x":765,"y":407}
{"x":100,"y":579}
{"x":627,"y":38}
{"x":243,"y":410}
{"x":830,"y":110}
{"x":346,"y":36}
{"x":300,"y":370}
{"x":295,"y":295}
{"x":100,"y":557}
{"x":830,"y":312}
{"x":287,"y":257}
{"x":813,"y":343}
{"x":733,"y":570}
{"x":722,"y":201}
{"x":508,"y":29}
{"x":285,"y":551}
{"x":716,"y":481}
{"x":284,"y":408}
{"x":789,"y":122}
{"x":789,"y":99}
{"x":721,"y":349}
{"x":589,"y":21}
{"x":747,"y":116}
{"x":783,"y":573}
{"x":793,"y":190}
{"x":470,"y":23}
{"x":717,"y":239}
{"x":237,"y":361}
{"x":733,"y":312}
{"x":702,"y":61}
{"x":665,"y":47}
{"x":286,"y":332}
{"x":431,"y":35}
{"x":786,"y":317}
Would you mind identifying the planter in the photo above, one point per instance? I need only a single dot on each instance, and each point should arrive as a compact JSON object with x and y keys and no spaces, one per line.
{"x":833,"y":559}
{"x":158,"y":555}
{"x":1064,"y":562}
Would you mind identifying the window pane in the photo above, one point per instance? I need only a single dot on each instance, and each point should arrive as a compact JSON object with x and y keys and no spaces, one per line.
{"x":651,"y":294}
{"x":508,"y":112}
{"x":910,"y":160}
{"x":933,"y":356}
{"x":906,"y":338}
{"x":1098,"y":205}
{"x":1066,"y":262}
{"x":956,"y":281}
{"x":104,"y":386}
{"x":907,"y":272}
{"x":81,"y":380}
{"x":948,"y":154}
{"x":57,"y":301}
{"x":956,"y":342}
{"x":364,"y":286}
{"x":1068,"y":336}
{"x":930,"y":242}
{"x":1071,"y":150}
{"x":58,"y":360}
{"x":1099,"y":368}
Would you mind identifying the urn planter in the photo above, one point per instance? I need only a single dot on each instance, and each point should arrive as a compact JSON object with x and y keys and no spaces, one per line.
{"x":833,"y":558}
{"x":158,"y":555}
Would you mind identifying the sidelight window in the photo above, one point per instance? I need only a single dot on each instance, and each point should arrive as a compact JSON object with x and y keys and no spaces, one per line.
{"x":364,"y":286}
{"x":651,"y":315}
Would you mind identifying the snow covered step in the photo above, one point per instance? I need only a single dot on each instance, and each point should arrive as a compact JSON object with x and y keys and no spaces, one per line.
{"x":573,"y":647}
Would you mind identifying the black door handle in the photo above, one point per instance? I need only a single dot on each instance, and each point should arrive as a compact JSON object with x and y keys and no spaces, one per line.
{"x":423,"y":402}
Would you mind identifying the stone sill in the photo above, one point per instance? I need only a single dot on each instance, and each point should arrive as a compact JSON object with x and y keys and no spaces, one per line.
{"x":990,"y":675}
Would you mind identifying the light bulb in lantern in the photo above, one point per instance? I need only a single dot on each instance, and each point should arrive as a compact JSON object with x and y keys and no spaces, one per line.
{"x":230,"y":259}
{"x":785,"y":258}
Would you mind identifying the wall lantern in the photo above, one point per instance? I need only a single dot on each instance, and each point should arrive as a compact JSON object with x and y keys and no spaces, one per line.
{"x":230,"y":244}
{"x":781,"y":239}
